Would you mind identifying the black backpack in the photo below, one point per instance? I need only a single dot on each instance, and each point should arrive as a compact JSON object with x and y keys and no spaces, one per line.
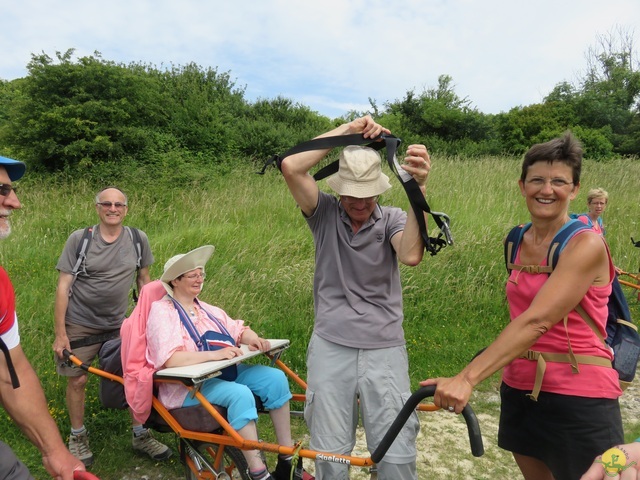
{"x":622,"y":334}
{"x":111,"y":392}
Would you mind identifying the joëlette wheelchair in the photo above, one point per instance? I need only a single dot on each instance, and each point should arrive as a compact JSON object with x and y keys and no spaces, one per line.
{"x":210,"y":448}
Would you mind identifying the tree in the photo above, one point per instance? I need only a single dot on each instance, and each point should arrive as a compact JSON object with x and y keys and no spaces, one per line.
{"x":439,"y":113}
{"x":273,"y":126}
{"x":203,"y":107}
{"x":74,"y":113}
{"x":607,"y":100}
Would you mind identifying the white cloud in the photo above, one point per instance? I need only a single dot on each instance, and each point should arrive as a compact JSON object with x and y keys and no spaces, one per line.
{"x":332,"y":55}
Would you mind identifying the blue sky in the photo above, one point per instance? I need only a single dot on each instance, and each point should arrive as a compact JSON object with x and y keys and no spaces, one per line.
{"x":332,"y":55}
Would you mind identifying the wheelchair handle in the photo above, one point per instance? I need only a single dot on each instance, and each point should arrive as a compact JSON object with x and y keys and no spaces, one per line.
{"x":475,"y":438}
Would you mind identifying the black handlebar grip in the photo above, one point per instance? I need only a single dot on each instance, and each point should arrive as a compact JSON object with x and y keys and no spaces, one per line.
{"x":475,"y":437}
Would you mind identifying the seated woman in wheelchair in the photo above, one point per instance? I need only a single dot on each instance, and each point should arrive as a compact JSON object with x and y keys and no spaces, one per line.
{"x":181,"y":330}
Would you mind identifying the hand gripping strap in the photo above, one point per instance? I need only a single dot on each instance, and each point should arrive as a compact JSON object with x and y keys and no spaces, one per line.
{"x":412,"y":189}
{"x":418,"y":201}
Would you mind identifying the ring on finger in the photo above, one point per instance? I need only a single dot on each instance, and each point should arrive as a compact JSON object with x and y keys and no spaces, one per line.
{"x":451,"y":409}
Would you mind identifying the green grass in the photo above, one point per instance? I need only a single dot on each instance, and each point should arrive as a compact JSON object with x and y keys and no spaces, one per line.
{"x":262,"y":268}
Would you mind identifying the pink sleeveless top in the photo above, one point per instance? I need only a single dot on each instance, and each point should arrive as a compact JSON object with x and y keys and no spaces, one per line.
{"x":592,"y":381}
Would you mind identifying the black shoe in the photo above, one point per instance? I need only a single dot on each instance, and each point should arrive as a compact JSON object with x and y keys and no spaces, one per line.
{"x":283,"y":471}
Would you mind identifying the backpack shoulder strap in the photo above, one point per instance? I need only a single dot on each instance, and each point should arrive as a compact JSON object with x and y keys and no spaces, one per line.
{"x":511,"y":244}
{"x":514,"y":238}
{"x":561,"y":238}
{"x":83,"y":247}
{"x":134,"y":233}
{"x":566,"y":233}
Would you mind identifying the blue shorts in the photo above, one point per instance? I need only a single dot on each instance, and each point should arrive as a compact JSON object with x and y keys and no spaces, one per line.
{"x":269,"y":384}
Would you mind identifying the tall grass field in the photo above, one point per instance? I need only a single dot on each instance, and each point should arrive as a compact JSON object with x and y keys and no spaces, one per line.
{"x":262,"y":268}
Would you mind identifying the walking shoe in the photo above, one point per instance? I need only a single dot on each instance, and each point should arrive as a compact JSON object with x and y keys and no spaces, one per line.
{"x":79,"y":448}
{"x":145,"y":443}
{"x":283,"y":471}
{"x":266,"y":476}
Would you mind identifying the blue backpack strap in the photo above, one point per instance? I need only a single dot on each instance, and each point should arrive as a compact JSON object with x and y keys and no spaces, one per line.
{"x":188,"y":324}
{"x":561,"y":238}
{"x":214,"y":319}
{"x":191,"y":329}
{"x":512,"y":243}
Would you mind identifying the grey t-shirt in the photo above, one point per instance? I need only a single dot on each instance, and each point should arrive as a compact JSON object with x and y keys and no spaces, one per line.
{"x":357,"y":291}
{"x":100,"y":295}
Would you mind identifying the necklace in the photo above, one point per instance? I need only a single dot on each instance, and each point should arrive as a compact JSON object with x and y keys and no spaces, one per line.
{"x":190,"y":309}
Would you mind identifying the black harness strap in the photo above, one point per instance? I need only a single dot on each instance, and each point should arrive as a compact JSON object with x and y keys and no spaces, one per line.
{"x":12,"y":370}
{"x":418,"y":202}
{"x":412,"y":189}
{"x":322,"y":143}
{"x":93,"y":339}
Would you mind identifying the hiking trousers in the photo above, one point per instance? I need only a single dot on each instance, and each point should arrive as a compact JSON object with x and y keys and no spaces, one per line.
{"x":339,"y":377}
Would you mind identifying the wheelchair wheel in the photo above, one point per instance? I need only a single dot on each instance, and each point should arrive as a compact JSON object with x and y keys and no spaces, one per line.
{"x":199,"y":460}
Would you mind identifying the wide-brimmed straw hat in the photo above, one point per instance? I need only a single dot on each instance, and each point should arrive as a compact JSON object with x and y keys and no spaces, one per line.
{"x":359,"y":173}
{"x":185,"y":262}
{"x":15,"y":169}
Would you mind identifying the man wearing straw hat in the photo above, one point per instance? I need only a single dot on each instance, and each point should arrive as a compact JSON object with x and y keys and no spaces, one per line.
{"x":20,"y":391}
{"x":357,"y":351}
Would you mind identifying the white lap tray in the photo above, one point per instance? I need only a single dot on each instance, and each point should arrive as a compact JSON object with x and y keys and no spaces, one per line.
{"x":200,"y":372}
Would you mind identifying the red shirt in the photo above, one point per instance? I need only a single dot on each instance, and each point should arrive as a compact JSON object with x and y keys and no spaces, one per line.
{"x":7,"y":303}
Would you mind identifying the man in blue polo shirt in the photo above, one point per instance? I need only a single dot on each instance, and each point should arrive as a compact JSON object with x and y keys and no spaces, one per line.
{"x":357,"y":351}
{"x":21,"y":394}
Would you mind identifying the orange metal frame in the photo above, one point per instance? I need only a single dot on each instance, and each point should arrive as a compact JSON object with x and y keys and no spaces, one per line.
{"x":230,"y":437}
{"x":629,"y":284}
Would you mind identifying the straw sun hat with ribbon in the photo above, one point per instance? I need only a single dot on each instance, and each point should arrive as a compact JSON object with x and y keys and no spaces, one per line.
{"x":183,"y":263}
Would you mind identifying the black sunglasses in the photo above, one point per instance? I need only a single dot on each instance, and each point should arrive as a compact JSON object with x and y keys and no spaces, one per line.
{"x":5,"y":189}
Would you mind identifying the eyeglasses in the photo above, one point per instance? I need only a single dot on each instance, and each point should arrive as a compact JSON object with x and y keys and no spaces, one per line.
{"x":195,"y":276}
{"x":111,"y":204}
{"x":5,"y":189}
{"x":554,"y":182}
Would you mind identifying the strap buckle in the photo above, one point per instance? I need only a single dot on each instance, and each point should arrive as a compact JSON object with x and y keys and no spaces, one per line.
{"x":445,"y":228}
{"x":531,"y":355}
